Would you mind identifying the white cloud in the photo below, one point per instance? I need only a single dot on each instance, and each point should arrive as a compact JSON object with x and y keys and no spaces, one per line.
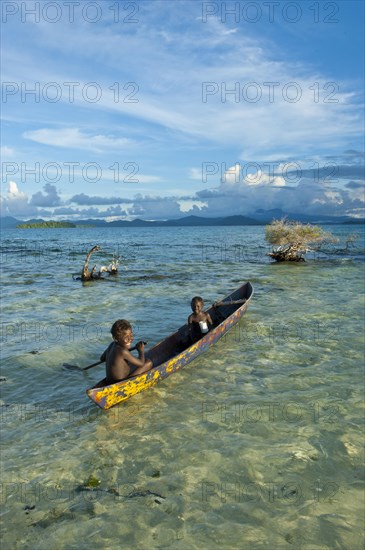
{"x":185,"y":60}
{"x":14,"y":194}
{"x":309,"y":197}
{"x":231,"y":177}
{"x":188,"y":205}
{"x":73,"y":138}
{"x":15,"y":202}
{"x":312,"y":193}
{"x":260,"y":177}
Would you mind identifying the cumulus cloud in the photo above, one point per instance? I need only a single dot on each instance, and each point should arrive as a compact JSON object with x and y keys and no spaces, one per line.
{"x":50,"y":204}
{"x":245,"y":192}
{"x":239,"y":192}
{"x":14,"y":194}
{"x":49,"y":198}
{"x":15,"y":202}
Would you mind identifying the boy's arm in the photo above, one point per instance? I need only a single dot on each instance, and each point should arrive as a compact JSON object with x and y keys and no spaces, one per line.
{"x":190,"y":326}
{"x":140,"y":362}
{"x":103,"y":355}
{"x":136,"y":361}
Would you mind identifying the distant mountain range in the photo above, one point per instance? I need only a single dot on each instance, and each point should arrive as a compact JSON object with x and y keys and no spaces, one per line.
{"x":262,"y":217}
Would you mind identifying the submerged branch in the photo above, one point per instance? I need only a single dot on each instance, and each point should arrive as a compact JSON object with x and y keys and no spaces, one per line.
{"x":88,"y":275}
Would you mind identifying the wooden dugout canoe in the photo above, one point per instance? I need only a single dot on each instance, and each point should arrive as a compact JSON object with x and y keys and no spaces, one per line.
{"x":174,"y":352}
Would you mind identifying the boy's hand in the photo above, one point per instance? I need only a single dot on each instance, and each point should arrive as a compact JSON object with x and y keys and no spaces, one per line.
{"x":140,"y":346}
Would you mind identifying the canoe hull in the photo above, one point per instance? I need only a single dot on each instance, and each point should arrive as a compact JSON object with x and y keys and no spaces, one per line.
{"x":167,"y":356}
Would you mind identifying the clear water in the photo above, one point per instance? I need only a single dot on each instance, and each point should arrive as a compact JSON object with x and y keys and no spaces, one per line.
{"x":256,"y":444}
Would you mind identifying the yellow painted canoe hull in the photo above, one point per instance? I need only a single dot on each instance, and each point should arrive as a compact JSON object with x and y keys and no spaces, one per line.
{"x":172,"y":353}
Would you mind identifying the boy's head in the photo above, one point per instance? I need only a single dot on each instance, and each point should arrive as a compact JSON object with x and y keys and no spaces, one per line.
{"x":122,"y":331}
{"x":197,"y":301}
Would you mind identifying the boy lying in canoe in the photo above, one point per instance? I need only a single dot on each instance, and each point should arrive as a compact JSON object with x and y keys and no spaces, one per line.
{"x":199,"y":320}
{"x":120,"y":363}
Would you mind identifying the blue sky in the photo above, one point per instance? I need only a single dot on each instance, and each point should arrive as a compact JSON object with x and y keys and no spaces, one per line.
{"x":160,"y":109}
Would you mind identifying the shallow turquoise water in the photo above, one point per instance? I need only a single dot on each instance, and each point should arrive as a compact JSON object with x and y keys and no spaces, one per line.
{"x":256,"y":444}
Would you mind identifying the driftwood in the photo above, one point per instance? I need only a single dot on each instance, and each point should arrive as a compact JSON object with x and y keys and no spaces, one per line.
{"x":88,"y":275}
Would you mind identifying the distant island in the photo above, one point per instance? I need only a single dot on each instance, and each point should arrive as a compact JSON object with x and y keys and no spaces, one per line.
{"x":44,"y":225}
{"x":260,"y":217}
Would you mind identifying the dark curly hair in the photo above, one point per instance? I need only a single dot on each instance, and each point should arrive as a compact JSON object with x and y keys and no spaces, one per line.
{"x":197,"y":299}
{"x":119,"y":327}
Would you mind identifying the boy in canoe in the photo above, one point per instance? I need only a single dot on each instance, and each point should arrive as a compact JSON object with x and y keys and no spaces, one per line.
{"x":199,"y":320}
{"x":120,"y":363}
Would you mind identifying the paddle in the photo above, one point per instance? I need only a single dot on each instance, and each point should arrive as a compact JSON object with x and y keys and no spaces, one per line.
{"x":75,"y":367}
{"x":93,"y":365}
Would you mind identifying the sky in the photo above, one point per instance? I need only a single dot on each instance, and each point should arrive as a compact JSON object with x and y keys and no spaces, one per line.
{"x":161,"y":109}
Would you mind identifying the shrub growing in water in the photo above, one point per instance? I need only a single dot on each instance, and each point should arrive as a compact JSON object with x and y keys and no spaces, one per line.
{"x":291,"y":240}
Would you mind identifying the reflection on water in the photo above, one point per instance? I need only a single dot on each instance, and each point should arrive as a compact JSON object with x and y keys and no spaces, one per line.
{"x":256,"y":444}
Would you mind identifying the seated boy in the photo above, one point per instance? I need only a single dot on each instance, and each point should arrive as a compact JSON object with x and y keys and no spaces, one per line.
{"x":199,"y":320}
{"x":119,"y":359}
